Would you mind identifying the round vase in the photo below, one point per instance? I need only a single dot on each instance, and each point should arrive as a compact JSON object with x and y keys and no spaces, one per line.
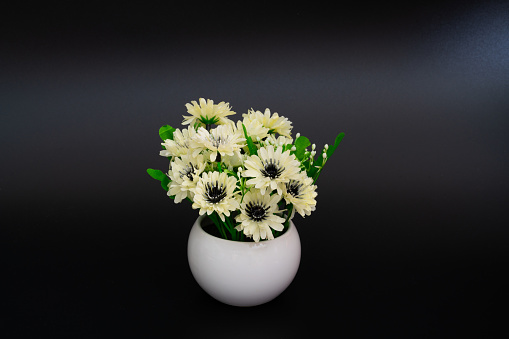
{"x":243,"y":273}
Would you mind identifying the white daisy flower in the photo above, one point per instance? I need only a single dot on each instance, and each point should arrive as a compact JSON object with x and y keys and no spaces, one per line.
{"x":254,"y":128}
{"x":301,"y":194}
{"x":184,"y":175}
{"x":271,"y":169}
{"x":279,"y":141}
{"x":180,"y":144}
{"x":224,"y":139}
{"x":257,"y":215}
{"x":274,"y":122}
{"x":214,"y":192}
{"x":207,"y":113}
{"x":236,"y":160}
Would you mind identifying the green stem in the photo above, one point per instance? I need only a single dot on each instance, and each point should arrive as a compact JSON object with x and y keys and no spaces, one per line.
{"x":290,"y":209}
{"x":317,"y":174}
{"x":233,"y":231}
{"x":225,"y":225}
{"x":214,"y":218}
{"x":275,"y":233}
{"x":242,"y":188}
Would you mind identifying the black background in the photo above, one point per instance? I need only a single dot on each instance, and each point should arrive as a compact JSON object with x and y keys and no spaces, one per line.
{"x":409,"y":238}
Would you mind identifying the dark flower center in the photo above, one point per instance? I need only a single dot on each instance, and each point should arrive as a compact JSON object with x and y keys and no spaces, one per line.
{"x":272,"y":169}
{"x":214,"y":193}
{"x":184,"y":145}
{"x":256,"y":211}
{"x":218,"y":141}
{"x":294,"y":187}
{"x":188,"y":172}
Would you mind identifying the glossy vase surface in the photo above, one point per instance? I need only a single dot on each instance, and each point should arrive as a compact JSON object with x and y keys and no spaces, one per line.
{"x":243,"y":273}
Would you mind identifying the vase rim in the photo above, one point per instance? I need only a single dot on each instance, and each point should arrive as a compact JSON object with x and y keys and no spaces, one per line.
{"x":202,"y":217}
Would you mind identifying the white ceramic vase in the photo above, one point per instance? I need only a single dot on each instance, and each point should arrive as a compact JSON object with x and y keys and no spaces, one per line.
{"x":243,"y":273}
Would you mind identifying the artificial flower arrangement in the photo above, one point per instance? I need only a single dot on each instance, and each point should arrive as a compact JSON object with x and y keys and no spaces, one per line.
{"x":248,"y":177}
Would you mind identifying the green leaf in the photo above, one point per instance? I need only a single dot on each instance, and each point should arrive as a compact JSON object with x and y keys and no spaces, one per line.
{"x":332,"y":148}
{"x":159,"y":175}
{"x":229,"y":172}
{"x":156,"y":174}
{"x":164,"y":183}
{"x":300,"y":144}
{"x":319,"y":160}
{"x":250,"y":144}
{"x":166,"y":132}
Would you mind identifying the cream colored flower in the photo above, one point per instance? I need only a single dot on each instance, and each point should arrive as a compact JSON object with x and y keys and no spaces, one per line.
{"x":224,"y":139}
{"x":271,"y":169}
{"x":279,"y":141}
{"x":180,"y":144}
{"x":254,"y":128}
{"x":207,"y":113}
{"x":274,"y":122}
{"x":257,"y":215}
{"x":215,"y":192}
{"x":184,"y":175}
{"x":301,"y":193}
{"x":233,"y":161}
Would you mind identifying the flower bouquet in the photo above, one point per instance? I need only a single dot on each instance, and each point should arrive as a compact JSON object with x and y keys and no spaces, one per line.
{"x":249,"y":177}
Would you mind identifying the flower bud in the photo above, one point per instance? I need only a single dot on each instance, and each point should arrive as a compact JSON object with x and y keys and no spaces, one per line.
{"x":293,"y":148}
{"x":297,"y":136}
{"x":313,"y":147}
{"x":326,"y":147}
